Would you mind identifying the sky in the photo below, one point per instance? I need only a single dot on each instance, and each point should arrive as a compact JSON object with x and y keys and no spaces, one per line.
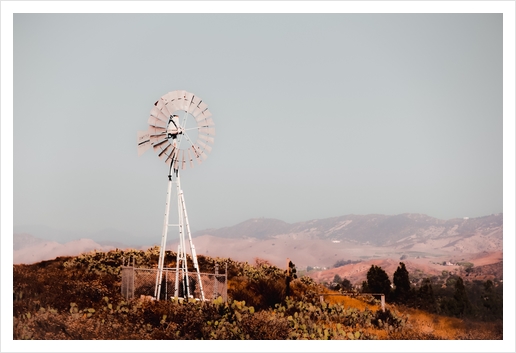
{"x":317,"y":115}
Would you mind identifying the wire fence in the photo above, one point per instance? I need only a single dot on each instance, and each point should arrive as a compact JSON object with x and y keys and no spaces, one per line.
{"x":137,"y":282}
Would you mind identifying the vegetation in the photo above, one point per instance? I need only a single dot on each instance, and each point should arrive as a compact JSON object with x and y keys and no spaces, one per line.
{"x":340,"y":263}
{"x":401,"y":283}
{"x":377,"y":281}
{"x":448,"y":295}
{"x":341,"y":284}
{"x":79,"y":298}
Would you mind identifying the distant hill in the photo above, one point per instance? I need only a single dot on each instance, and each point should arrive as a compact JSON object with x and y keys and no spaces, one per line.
{"x":374,"y":229}
{"x":29,"y":249}
{"x":316,"y":243}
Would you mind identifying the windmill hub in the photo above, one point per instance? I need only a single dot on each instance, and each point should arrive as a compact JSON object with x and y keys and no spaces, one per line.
{"x":173,"y":127}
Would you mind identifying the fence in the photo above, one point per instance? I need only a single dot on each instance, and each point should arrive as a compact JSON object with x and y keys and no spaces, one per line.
{"x":142,"y":281}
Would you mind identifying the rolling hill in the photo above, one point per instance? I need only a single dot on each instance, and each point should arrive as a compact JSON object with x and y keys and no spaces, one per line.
{"x":322,"y":242}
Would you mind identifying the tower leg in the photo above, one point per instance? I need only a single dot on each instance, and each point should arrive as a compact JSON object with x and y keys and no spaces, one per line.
{"x":192,"y":247}
{"x":159,"y":274}
{"x":181,"y":258}
{"x":176,"y":292}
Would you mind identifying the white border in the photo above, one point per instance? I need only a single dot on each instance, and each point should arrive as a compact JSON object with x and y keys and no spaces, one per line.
{"x":8,"y":8}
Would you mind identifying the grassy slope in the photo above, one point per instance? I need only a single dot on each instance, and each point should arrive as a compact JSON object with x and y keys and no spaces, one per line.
{"x":43,"y":294}
{"x":424,"y":325}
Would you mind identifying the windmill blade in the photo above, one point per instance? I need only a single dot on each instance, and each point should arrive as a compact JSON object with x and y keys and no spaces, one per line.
{"x":169,"y":108}
{"x":157,"y":137}
{"x":201,"y":152}
{"x":170,"y":155}
{"x":176,"y":161}
{"x":158,"y":146}
{"x":143,"y":141}
{"x":168,"y":97}
{"x":207,"y":131}
{"x":196,"y":112}
{"x":174,"y":103}
{"x":197,"y":153}
{"x":206,"y":114}
{"x":157,"y":140}
{"x":173,"y":107}
{"x":156,"y":130}
{"x":165,"y":151}
{"x":165,"y":110}
{"x":160,"y":104}
{"x":193,"y":105}
{"x":209,"y":122}
{"x":188,"y":101}
{"x":155,"y":112}
{"x":181,"y":98}
{"x":206,"y":138}
{"x":190,"y":156}
{"x":183,"y":160}
{"x":204,"y":146}
{"x":204,"y":118}
{"x":155,"y":122}
{"x":203,"y":106}
{"x":175,"y":95}
{"x":178,"y":158}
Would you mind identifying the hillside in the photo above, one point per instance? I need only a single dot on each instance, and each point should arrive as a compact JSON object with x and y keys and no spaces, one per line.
{"x":488,"y":267}
{"x":29,"y":249}
{"x":402,"y":230}
{"x":79,"y":298}
{"x":317,"y":243}
{"x":320,"y":243}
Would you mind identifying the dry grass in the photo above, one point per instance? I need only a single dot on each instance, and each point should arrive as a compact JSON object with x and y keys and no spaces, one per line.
{"x":352,"y":302}
{"x":450,"y":328}
{"x":424,"y":325}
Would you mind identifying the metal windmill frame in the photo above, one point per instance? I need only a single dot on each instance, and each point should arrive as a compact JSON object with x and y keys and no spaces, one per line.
{"x":168,"y":136}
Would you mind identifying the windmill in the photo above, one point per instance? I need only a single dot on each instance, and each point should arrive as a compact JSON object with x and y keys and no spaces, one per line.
{"x":180,"y":131}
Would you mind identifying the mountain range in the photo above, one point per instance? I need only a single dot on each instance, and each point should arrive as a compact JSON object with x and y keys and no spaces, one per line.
{"x":317,"y":243}
{"x":379,"y":230}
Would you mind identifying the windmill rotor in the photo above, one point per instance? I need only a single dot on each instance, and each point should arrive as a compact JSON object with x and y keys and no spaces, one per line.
{"x":181,"y":130}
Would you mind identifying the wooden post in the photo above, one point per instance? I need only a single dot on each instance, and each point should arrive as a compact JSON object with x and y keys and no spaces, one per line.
{"x":383,"y":302}
{"x":287,"y":279}
{"x":216,"y":289}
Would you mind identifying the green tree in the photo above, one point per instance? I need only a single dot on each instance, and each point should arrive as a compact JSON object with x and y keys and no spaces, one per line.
{"x":378,"y":281}
{"x":290,"y":275}
{"x":462,"y":304}
{"x":401,"y":283}
{"x":365,"y":287}
{"x":337,"y":279}
{"x":346,"y":284}
{"x":425,"y":298}
{"x":492,"y":302}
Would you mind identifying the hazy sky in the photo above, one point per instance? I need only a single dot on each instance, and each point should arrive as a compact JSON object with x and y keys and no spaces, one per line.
{"x":317,"y":115}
